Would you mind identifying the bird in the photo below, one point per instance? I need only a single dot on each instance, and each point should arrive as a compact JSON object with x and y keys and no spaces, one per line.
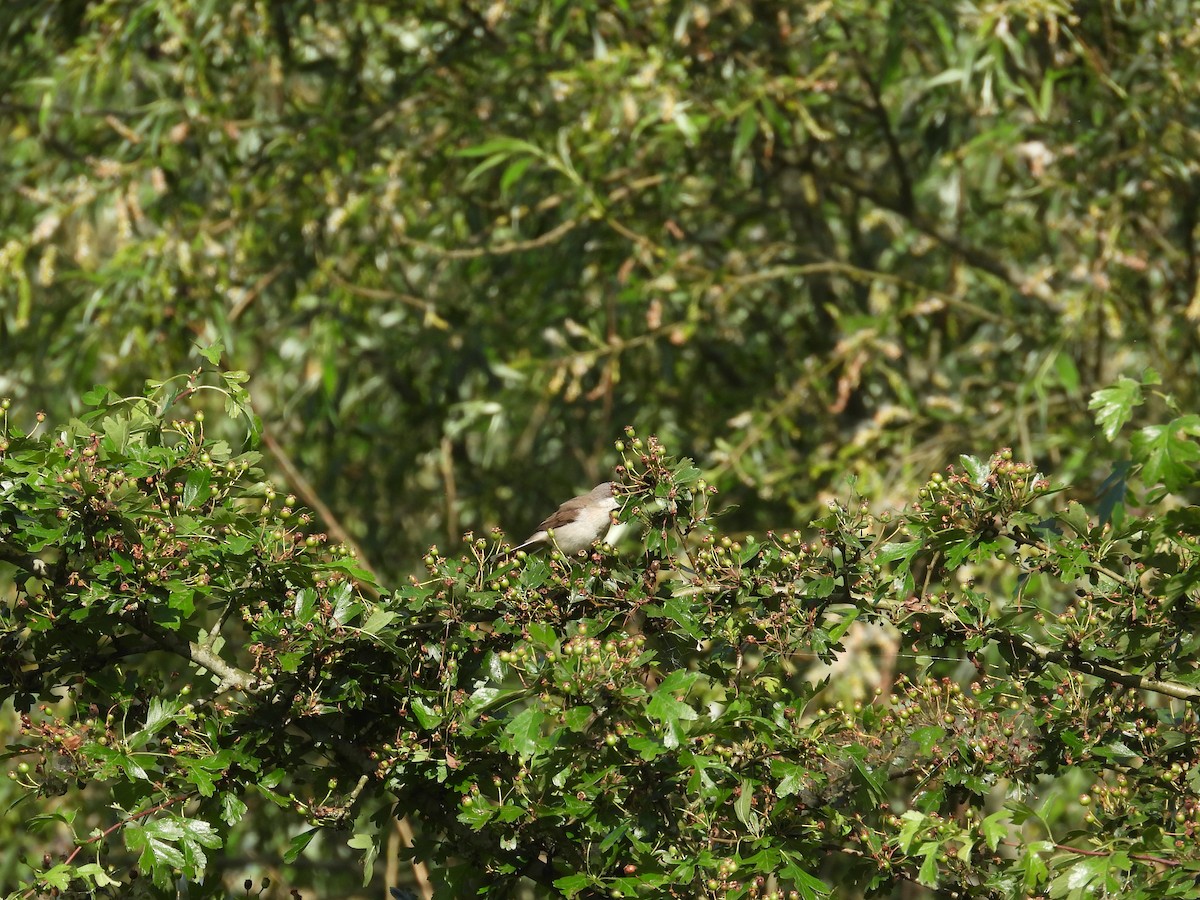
{"x":578,"y":523}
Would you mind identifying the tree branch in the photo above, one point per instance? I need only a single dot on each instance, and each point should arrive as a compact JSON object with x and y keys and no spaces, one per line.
{"x":907,"y":205}
{"x":1072,"y":661}
{"x":231,"y":676}
{"x":312,"y":499}
{"x":29,"y":562}
{"x":975,"y":257}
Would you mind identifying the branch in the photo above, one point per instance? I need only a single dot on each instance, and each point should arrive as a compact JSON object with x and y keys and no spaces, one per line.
{"x":132,"y":114}
{"x":879,"y":111}
{"x":1072,"y":661}
{"x":354,"y":755}
{"x":1105,"y":671}
{"x":556,"y":233}
{"x":973,"y":255}
{"x":312,"y":499}
{"x":1022,"y":539}
{"x":1141,"y":857}
{"x":121,"y":824}
{"x":867,"y":276}
{"x":29,"y":562}
{"x":231,"y":676}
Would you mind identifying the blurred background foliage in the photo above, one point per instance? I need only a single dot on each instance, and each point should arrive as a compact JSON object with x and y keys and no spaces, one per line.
{"x":459,"y":245}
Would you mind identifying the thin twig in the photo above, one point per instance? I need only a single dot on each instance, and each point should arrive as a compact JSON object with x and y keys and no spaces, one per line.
{"x":1069,"y":660}
{"x":121,"y":824}
{"x":1143,"y":857}
{"x":857,"y":273}
{"x":980,"y":259}
{"x":231,"y":676}
{"x":312,"y":499}
{"x":255,"y":290}
{"x":1022,"y":539}
{"x":446,"y":464}
{"x":879,"y":111}
{"x":554,"y":234}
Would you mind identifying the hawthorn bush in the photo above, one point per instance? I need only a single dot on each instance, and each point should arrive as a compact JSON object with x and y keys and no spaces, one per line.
{"x":682,"y":718}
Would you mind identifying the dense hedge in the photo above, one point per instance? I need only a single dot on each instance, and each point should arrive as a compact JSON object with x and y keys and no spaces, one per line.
{"x":182,"y":643}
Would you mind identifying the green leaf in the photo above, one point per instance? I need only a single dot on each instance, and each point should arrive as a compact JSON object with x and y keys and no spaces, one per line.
{"x":35,"y":823}
{"x":792,"y":777}
{"x":427,"y":718}
{"x":577,"y":718}
{"x":542,"y":634}
{"x":212,"y":352}
{"x":840,"y":628}
{"x":298,"y":844}
{"x":196,"y":486}
{"x":1076,"y":518}
{"x":1167,"y":455}
{"x":871,"y":779}
{"x":1112,"y":491}
{"x":743,"y":805}
{"x":995,"y":828}
{"x":615,"y":835}
{"x":977,"y":469}
{"x":377,"y":621}
{"x":205,"y":781}
{"x":890,"y":552}
{"x":346,"y":607}
{"x":172,"y":842}
{"x":746,"y":130}
{"x":95,"y":873}
{"x":232,"y":809}
{"x":499,"y":145}
{"x":490,"y":163}
{"x":159,"y":715}
{"x":926,"y":737}
{"x":669,"y":710}
{"x":914,"y":822}
{"x":514,"y":172}
{"x":663,"y":704}
{"x":58,"y":877}
{"x":118,"y":761}
{"x":1114,"y":405}
{"x":1034,"y":869}
{"x":116,"y":434}
{"x":679,"y":610}
{"x":484,"y":698}
{"x":928,"y":873}
{"x":98,"y":396}
{"x":647,"y":748}
{"x":807,"y":885}
{"x":304,"y":606}
{"x":573,"y":884}
{"x":525,"y":731}
{"x":1068,"y":373}
{"x":238,"y":544}
{"x":368,"y":842}
{"x":1081,"y":879}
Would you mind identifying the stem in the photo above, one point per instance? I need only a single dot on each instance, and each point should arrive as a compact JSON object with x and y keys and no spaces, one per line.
{"x":121,"y":824}
{"x":1070,"y":660}
{"x":312,"y":499}
{"x":231,"y":676}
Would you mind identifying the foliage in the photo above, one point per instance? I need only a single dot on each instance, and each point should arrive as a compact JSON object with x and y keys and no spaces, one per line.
{"x":460,"y":245}
{"x":637,"y":724}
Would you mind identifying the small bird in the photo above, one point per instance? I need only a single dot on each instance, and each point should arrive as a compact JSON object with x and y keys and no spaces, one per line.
{"x":578,"y":523}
